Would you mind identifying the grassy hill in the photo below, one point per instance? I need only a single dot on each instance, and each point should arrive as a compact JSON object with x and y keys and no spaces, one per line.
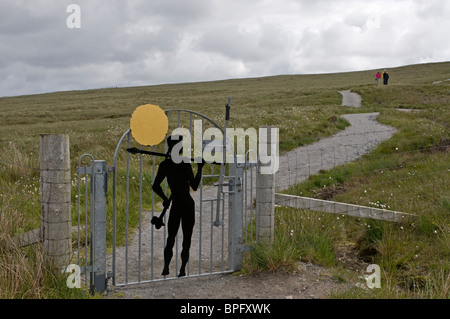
{"x":299,"y":104}
{"x":305,"y":108}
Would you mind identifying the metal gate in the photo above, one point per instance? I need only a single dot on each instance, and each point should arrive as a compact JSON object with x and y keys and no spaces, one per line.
{"x":224,"y":214}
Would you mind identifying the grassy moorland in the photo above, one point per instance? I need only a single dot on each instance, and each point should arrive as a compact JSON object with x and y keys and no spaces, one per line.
{"x":408,"y":173}
{"x":413,"y":165}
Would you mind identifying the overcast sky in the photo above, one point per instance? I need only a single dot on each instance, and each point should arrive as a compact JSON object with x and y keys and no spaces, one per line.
{"x":144,"y":42}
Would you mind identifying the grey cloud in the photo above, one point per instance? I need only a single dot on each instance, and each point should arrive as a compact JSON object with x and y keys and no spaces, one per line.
{"x":265,"y":43}
{"x":231,"y":42}
{"x":172,"y":12}
{"x":17,"y":18}
{"x":141,"y":42}
{"x":430,"y":10}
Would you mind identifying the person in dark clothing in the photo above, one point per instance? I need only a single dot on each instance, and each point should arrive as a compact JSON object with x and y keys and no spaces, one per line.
{"x":179,"y":178}
{"x":385,"y":77}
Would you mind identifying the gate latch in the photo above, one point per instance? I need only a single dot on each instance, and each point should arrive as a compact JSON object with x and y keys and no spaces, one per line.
{"x":236,"y":182}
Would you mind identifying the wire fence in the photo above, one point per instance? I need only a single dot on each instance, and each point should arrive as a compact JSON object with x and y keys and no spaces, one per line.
{"x":389,"y":180}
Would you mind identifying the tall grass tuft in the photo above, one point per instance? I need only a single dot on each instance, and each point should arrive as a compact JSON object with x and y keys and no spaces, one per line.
{"x":16,"y":162}
{"x":299,"y":236}
{"x":23,"y":272}
{"x":281,"y":256}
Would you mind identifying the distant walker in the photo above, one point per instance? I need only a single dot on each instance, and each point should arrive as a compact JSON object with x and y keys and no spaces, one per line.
{"x":378,"y":77}
{"x":385,"y":77}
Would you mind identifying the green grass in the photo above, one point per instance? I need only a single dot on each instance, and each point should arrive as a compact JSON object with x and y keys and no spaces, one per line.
{"x":305,"y":108}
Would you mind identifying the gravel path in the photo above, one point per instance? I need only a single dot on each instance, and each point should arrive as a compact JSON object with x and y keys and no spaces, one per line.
{"x":363,"y":134}
{"x":350,"y":99}
{"x":309,"y":281}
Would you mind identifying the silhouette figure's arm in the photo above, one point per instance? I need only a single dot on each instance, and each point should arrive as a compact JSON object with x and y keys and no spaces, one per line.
{"x":160,"y":175}
{"x":195,"y":181}
{"x":135,"y":150}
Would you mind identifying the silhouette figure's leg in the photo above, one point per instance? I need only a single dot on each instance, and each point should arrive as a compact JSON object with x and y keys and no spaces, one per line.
{"x":172,"y":228}
{"x":187,"y":224}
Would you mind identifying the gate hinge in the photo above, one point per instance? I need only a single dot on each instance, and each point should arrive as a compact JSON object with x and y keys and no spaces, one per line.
{"x":85,"y":269}
{"x":218,"y":223}
{"x":236,"y":183}
{"x":89,"y":269}
{"x":83,"y":170}
{"x":243,"y":248}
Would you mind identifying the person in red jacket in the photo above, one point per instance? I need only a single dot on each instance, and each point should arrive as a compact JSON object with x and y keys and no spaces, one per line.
{"x":378,"y":77}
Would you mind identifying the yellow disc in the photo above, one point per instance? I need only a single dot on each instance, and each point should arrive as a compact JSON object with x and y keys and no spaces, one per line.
{"x":149,"y":125}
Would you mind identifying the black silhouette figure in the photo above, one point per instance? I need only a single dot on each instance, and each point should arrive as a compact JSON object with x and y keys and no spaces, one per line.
{"x":179,"y":177}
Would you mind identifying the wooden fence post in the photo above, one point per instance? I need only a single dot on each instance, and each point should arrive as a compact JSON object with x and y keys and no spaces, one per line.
{"x":56,"y":199}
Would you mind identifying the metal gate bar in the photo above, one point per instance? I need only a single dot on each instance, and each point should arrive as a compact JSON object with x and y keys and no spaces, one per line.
{"x":83,"y":170}
{"x":249,"y":215}
{"x":94,"y":223}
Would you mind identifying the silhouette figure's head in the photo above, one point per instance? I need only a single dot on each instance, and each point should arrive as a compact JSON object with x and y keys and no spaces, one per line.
{"x":173,"y":140}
